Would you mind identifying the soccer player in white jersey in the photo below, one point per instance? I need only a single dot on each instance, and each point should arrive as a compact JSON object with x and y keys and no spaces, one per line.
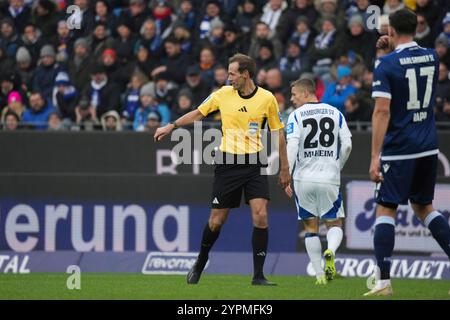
{"x":319,"y":144}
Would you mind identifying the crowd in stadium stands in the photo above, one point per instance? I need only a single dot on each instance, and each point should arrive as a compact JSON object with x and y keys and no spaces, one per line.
{"x":137,"y":64}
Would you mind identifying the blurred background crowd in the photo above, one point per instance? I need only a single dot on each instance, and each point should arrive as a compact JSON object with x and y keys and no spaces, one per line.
{"x":137,"y":64}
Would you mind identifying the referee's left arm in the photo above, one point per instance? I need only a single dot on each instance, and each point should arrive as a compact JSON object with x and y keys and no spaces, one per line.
{"x":188,"y":118}
{"x":277,"y":127}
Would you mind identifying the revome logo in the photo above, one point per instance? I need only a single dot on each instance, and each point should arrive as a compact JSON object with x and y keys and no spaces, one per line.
{"x":169,"y":262}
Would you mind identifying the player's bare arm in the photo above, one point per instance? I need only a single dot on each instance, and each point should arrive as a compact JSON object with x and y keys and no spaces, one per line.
{"x":285,"y":176}
{"x":188,"y":118}
{"x":380,"y":122}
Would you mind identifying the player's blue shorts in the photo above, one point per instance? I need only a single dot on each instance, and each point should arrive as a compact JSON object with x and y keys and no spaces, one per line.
{"x":412,"y":179}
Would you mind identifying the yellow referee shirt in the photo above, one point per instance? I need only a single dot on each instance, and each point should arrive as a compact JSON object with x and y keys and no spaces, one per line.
{"x":243,"y":117}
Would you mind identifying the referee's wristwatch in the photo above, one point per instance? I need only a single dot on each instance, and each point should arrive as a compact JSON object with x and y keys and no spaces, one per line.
{"x":174,"y":124}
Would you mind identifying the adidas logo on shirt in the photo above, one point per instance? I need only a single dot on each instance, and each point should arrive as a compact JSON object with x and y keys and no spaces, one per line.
{"x":243,"y":109}
{"x":215,"y":201}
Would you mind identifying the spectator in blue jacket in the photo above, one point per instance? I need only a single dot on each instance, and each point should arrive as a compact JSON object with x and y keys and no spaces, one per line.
{"x":38,"y":113}
{"x":149,"y":104}
{"x":45,"y":75}
{"x":337,"y":92}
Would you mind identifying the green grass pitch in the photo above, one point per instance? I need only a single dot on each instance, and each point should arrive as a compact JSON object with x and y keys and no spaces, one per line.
{"x":211,"y":287}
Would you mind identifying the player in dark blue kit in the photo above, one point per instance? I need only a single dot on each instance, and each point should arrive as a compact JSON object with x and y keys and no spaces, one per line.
{"x":404,"y":140}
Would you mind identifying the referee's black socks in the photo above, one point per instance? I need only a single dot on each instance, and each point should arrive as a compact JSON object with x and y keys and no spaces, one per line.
{"x":260,"y":238}
{"x":208,"y":239}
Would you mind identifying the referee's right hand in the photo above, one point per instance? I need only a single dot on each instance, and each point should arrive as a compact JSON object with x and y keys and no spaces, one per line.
{"x":163,"y":131}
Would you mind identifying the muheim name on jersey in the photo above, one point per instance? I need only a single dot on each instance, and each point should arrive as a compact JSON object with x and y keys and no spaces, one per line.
{"x":318,"y":153}
{"x":410,"y":233}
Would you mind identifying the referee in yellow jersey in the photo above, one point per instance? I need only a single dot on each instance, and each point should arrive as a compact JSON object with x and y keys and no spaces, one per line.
{"x":245,"y":109}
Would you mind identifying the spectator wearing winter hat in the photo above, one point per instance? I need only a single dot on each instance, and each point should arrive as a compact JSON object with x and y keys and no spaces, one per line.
{"x":215,"y":37}
{"x":63,"y":41}
{"x":44,"y":16}
{"x":149,"y":104}
{"x":153,"y":121}
{"x":46,"y":72}
{"x":337,"y":92}
{"x":116,"y":71}
{"x":10,"y":82}
{"x":132,"y":95}
{"x":79,"y":67}
{"x":358,"y":41}
{"x":103,"y":94}
{"x":125,"y":43}
{"x":11,"y":121}
{"x":165,"y":89}
{"x":182,"y":33}
{"x":15,"y":104}
{"x":32,"y":41}
{"x":24,"y":68}
{"x":111,"y":121}
{"x":442,"y":49}
{"x":65,"y":96}
{"x":212,"y":11}
{"x":37,"y":115}
{"x":446,"y":28}
{"x":199,"y":88}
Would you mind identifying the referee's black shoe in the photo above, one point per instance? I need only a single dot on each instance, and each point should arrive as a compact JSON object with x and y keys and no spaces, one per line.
{"x":194,"y":274}
{"x":262,"y":282}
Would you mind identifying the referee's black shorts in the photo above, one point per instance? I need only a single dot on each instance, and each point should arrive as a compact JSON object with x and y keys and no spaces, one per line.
{"x":230,"y":179}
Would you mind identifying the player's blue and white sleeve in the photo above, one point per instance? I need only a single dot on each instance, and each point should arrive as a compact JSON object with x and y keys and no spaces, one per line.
{"x":345,"y":141}
{"x":381,"y":87}
{"x":293,"y":139}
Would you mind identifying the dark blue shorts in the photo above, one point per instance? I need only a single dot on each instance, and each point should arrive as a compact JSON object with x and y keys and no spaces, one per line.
{"x":412,"y":179}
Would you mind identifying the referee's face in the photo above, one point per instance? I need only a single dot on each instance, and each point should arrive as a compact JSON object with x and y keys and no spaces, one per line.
{"x":236,"y":79}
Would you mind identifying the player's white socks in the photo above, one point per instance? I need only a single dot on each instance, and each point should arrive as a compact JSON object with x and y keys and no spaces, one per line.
{"x":334,"y":238}
{"x":314,"y":249}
